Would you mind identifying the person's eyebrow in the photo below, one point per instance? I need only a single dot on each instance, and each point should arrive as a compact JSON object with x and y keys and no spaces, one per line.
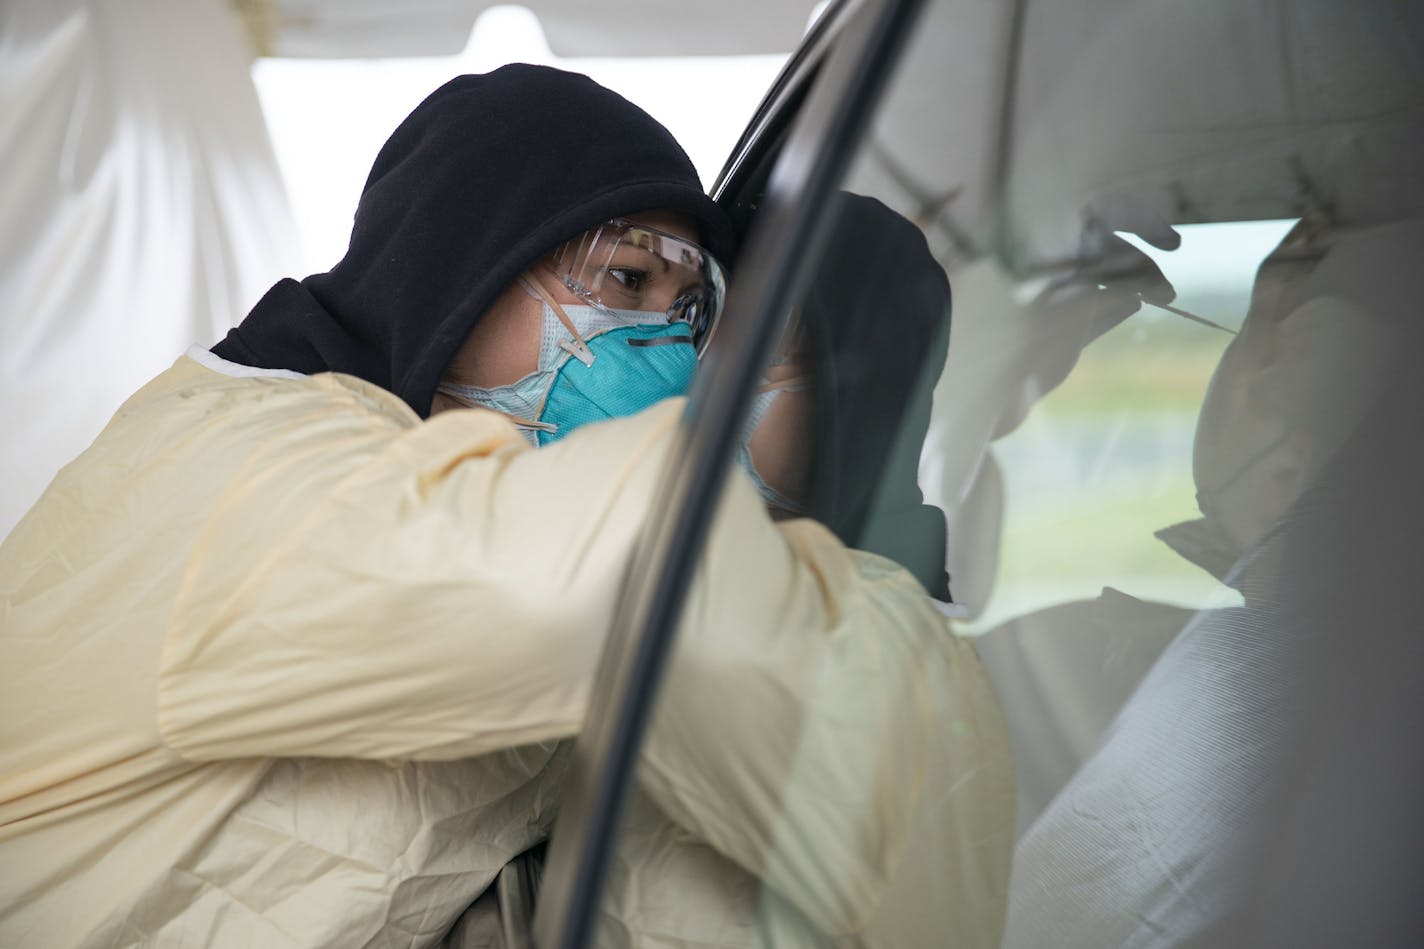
{"x":650,"y":253}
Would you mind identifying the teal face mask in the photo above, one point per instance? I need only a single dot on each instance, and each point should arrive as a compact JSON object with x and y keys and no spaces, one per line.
{"x":595,"y":363}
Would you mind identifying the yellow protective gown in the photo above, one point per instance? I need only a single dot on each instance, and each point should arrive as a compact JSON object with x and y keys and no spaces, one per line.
{"x":285,"y":665}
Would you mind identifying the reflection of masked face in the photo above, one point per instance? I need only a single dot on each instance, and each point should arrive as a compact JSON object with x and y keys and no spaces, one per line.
{"x":595,"y":363}
{"x":774,"y":441}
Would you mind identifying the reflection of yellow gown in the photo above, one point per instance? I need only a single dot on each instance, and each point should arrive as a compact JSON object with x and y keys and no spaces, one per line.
{"x":286,"y":666}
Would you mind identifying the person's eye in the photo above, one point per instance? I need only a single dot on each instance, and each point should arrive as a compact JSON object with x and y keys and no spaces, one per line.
{"x":629,"y":279}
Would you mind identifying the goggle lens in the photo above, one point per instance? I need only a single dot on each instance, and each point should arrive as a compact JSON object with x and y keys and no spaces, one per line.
{"x":622,"y":265}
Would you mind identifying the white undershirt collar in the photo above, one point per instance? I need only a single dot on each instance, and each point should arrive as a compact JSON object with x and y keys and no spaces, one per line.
{"x":211,"y":360}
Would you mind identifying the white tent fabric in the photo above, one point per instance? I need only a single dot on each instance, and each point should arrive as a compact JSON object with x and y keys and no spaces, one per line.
{"x":378,"y":28}
{"x":1272,"y":107}
{"x":1055,"y":148}
{"x":142,"y":206}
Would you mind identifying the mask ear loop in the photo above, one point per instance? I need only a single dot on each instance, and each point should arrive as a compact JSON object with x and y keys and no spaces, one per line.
{"x":519,"y":421}
{"x":577,"y":348}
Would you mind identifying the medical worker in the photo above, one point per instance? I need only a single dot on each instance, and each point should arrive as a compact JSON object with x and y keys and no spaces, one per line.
{"x":292,"y":653}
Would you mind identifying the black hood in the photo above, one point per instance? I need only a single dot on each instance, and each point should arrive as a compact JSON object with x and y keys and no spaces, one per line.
{"x":877,"y":320}
{"x":485,"y":176}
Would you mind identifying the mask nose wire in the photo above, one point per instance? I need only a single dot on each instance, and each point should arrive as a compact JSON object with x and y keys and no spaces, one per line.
{"x":578,"y":348}
{"x":518,"y":420}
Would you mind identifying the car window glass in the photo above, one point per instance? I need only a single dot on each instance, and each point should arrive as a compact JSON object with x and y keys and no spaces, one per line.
{"x":1092,"y":326}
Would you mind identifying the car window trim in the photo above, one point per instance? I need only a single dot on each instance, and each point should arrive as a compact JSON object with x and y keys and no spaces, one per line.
{"x":782,"y":100}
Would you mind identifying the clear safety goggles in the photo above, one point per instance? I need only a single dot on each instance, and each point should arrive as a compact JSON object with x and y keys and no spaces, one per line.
{"x":621,"y":265}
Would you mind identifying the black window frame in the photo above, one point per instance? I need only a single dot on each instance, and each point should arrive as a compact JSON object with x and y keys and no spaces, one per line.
{"x":800,"y":143}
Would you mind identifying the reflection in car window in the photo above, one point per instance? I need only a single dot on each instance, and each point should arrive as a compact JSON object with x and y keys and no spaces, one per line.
{"x":791,"y":765}
{"x":1118,"y":433}
{"x":1177,"y":299}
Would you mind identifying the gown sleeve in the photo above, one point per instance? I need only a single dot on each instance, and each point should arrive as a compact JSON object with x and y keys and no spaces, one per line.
{"x":430,"y":592}
{"x":817,"y":711}
{"x":441,"y":591}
